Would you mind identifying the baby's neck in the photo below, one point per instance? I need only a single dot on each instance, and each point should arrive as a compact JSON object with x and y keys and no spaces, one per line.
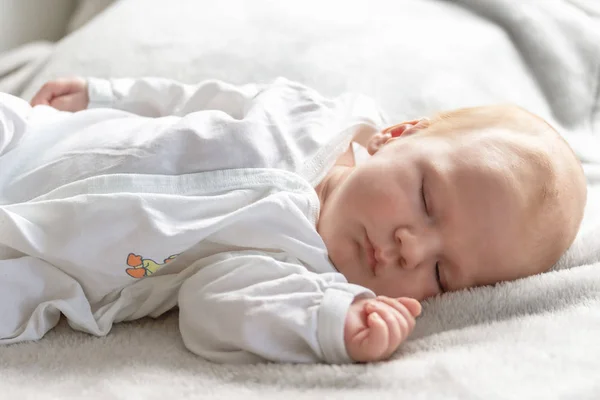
{"x":331,"y":181}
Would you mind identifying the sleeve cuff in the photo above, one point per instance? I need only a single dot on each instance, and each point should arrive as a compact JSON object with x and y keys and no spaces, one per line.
{"x":331,"y":322}
{"x":100,"y":93}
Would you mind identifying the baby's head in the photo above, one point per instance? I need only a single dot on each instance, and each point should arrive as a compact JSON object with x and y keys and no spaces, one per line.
{"x":471,"y":197}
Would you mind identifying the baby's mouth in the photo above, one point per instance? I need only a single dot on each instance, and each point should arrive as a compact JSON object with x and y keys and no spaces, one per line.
{"x":370,"y":254}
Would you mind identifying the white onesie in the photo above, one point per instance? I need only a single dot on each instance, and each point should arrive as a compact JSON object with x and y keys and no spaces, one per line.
{"x":162,"y":194}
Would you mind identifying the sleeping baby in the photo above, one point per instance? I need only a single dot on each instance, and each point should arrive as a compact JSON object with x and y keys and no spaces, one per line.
{"x":284,"y":225}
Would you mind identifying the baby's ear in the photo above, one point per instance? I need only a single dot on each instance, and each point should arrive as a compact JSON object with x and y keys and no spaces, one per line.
{"x":402,"y":129}
{"x":407,"y":128}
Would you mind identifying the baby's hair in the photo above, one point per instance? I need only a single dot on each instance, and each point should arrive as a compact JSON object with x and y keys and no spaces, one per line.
{"x":528,"y":148}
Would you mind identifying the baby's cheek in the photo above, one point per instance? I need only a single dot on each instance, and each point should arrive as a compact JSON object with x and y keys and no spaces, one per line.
{"x":375,"y":192}
{"x":397,"y":284}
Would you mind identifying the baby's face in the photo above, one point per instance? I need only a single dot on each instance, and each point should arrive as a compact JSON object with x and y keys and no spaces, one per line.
{"x":425,"y":215}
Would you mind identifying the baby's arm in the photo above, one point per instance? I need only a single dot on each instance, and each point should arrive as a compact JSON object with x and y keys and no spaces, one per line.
{"x":150,"y":97}
{"x":158,"y":97}
{"x":252,"y":308}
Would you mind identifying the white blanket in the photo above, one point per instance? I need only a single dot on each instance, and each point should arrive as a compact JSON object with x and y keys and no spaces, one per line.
{"x":19,"y":65}
{"x":533,"y":338}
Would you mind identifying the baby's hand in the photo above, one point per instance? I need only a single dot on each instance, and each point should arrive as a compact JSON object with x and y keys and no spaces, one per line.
{"x":67,"y":94}
{"x":375,"y":328}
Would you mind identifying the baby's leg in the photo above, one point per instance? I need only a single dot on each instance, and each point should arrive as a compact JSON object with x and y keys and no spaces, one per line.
{"x":13,"y":121}
{"x":32,"y":295}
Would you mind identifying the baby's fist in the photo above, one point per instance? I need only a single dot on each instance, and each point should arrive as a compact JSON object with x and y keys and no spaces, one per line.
{"x":67,"y":94}
{"x":375,"y":328}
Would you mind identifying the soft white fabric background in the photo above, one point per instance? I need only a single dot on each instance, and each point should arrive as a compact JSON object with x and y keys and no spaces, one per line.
{"x":536,"y":338}
{"x":23,"y":21}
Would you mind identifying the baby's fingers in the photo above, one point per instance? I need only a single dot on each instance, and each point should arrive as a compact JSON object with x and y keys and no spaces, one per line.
{"x":43,"y":96}
{"x":377,"y":340}
{"x":406,"y":320}
{"x":393,"y":323}
{"x":69,"y":102}
{"x":412,"y":305}
{"x":55,"y":88}
{"x":49,"y":91}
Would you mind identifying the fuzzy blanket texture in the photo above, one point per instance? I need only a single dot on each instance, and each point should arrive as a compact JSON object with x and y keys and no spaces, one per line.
{"x":536,"y":338}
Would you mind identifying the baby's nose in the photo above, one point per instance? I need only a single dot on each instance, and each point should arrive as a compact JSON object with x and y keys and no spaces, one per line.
{"x":412,"y":256}
{"x":414,"y":249}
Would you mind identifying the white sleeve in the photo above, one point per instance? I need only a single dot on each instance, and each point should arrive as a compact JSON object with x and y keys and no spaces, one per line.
{"x":252,"y":308}
{"x":159,"y":97}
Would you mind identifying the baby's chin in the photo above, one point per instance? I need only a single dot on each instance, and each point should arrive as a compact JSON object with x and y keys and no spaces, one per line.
{"x":340,"y":264}
{"x":347,"y":267}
